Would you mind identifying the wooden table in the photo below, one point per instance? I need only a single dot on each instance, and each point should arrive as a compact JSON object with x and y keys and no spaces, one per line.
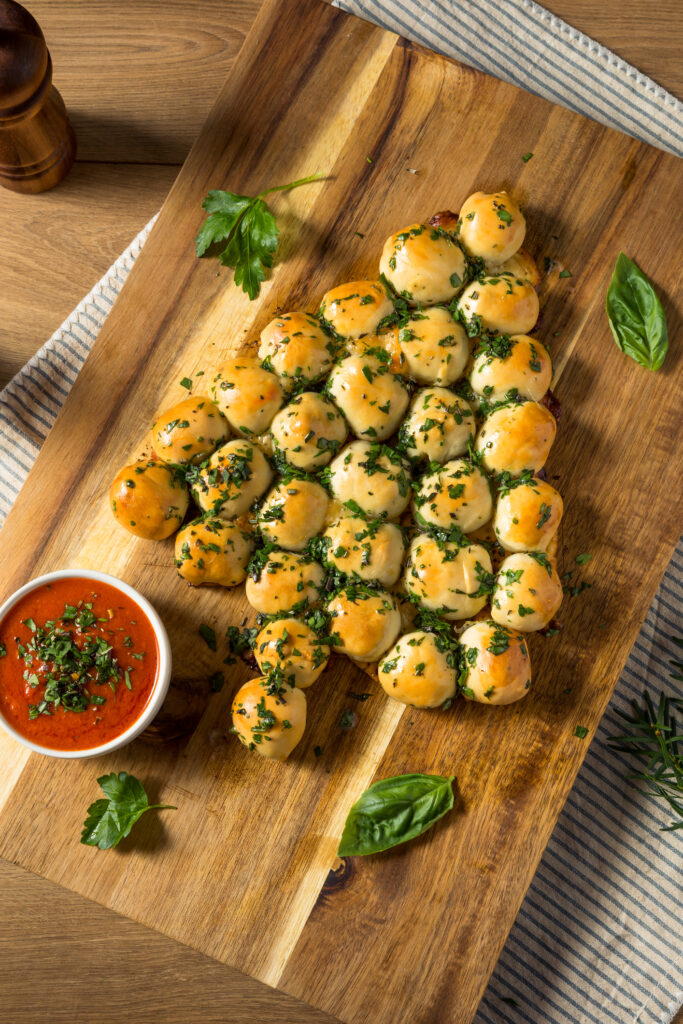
{"x":64,"y":959}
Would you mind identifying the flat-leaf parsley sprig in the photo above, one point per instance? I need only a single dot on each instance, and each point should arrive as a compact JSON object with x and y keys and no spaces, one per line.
{"x":249,"y":230}
{"x":110,"y":820}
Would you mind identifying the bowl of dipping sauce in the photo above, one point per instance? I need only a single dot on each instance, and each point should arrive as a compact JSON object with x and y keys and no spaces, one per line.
{"x":85,"y":664}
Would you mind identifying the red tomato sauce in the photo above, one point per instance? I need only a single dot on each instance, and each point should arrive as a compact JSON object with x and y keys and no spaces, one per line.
{"x":126,"y":648}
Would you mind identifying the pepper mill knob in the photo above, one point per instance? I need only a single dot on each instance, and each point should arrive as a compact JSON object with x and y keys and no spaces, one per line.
{"x":37,"y":142}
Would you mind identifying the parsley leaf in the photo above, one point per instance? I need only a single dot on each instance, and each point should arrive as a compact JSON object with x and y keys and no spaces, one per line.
{"x":110,"y":820}
{"x":208,"y":635}
{"x":248,"y":229}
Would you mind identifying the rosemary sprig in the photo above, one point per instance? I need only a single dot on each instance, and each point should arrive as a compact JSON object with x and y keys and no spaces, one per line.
{"x":652,"y":738}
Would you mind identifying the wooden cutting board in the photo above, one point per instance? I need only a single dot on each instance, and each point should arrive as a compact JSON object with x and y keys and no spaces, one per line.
{"x":246,"y":870}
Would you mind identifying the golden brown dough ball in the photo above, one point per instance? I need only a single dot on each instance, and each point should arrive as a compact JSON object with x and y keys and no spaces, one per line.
{"x":366,"y":622}
{"x":371,"y":398}
{"x":497,"y":664}
{"x":293,"y":512}
{"x":528,"y":592}
{"x":383,"y":346}
{"x":418,"y":671}
{"x":424,"y":264}
{"x":447,"y":578}
{"x":516,"y":437}
{"x":367,"y":549}
{"x":433,"y":345}
{"x":287,"y":580}
{"x":373,"y":476}
{"x":491,"y":226}
{"x":234,"y":477}
{"x":356,"y":308}
{"x":211,"y":550}
{"x":297,"y":348}
{"x":149,"y":499}
{"x":269,"y":723}
{"x":516,"y":363}
{"x":439,"y":425}
{"x":508,"y":305}
{"x":309,"y":431}
{"x":189,"y":431}
{"x":292,"y":649}
{"x":522,"y":264}
{"x":527,"y":515}
{"x":457,"y":494}
{"x":247,"y":394}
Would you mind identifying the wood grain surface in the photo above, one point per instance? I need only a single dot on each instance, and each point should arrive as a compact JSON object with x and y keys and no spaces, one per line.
{"x":434,"y":916}
{"x":138,"y":78}
{"x":147,"y":977}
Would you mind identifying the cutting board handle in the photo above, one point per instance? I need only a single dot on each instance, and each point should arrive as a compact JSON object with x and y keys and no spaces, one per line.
{"x":37,"y":142}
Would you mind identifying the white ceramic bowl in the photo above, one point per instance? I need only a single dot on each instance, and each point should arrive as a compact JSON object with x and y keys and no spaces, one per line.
{"x":163,"y":671}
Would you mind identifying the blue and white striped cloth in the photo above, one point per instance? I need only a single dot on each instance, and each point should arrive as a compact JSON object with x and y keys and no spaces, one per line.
{"x":598,"y":937}
{"x":522,"y":43}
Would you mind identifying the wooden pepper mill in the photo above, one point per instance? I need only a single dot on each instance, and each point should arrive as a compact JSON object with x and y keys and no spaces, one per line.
{"x":37,"y":142}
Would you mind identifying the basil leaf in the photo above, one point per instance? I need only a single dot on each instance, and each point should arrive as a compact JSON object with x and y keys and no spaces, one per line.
{"x":636,"y":316}
{"x":110,"y":820}
{"x":394,"y":810}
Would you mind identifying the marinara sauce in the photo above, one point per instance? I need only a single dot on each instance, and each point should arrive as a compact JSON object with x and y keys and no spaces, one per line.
{"x":78,"y":663}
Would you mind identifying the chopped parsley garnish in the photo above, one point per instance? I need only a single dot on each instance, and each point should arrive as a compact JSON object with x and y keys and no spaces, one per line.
{"x":216,"y":682}
{"x":208,"y":635}
{"x":67,"y":657}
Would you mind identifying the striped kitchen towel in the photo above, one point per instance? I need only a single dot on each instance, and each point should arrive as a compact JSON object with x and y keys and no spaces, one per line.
{"x":598,"y":937}
{"x":522,"y":43}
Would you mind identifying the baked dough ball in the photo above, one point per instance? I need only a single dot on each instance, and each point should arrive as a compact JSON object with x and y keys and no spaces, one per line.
{"x":516,"y":437}
{"x":149,"y":499}
{"x":522,"y":264}
{"x":528,"y":592}
{"x":356,"y":308}
{"x":527,"y":516}
{"x":373,"y":476}
{"x":293,"y":512}
{"x":497,"y":664}
{"x":457,"y":494}
{"x":234,"y":477}
{"x":247,"y":394}
{"x":297,"y":349}
{"x":417,"y":672}
{"x":309,"y":431}
{"x":211,"y":550}
{"x":292,"y":649}
{"x":270,"y":723}
{"x":366,"y":549}
{"x":366,"y":622}
{"x":189,"y":431}
{"x":505,"y":304}
{"x":287,"y":580}
{"x":448,"y":579}
{"x":491,"y":226}
{"x":433,"y":345}
{"x":372,"y":399}
{"x":516,"y":363}
{"x":439,"y":425}
{"x":424,"y":264}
